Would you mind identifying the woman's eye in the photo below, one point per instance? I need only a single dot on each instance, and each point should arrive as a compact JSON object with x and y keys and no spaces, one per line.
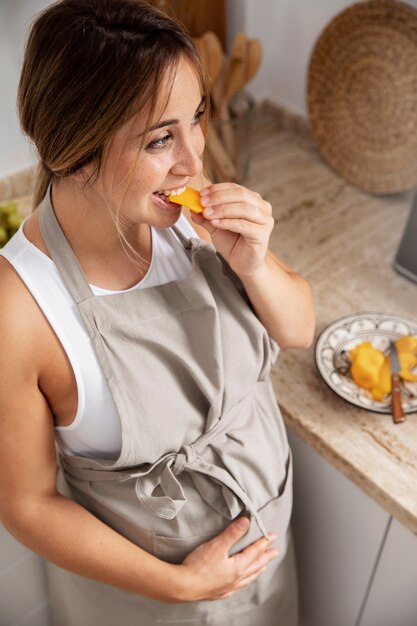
{"x":159,"y":143}
{"x":198,"y":116}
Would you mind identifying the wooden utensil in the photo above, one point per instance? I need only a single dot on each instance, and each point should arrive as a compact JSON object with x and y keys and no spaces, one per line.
{"x":213,"y":52}
{"x":201,"y":49}
{"x":253,"y":59}
{"x":222,"y":164}
{"x":232,"y":81}
{"x":235,"y":68}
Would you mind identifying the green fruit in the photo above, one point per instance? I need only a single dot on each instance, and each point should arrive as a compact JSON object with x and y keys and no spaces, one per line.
{"x":9,"y":208}
{"x":14,"y":220}
{"x":3,"y":235}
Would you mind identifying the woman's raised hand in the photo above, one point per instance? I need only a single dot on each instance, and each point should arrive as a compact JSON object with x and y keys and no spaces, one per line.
{"x":240,"y":223}
{"x":211,"y":574}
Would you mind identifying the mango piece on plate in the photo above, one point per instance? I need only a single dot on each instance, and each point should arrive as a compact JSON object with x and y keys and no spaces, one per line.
{"x":189,"y":198}
{"x":353,"y":353}
{"x":408,"y":360}
{"x":384,"y":385}
{"x":371,"y":369}
{"x":367,"y":362}
{"x":407,"y":343}
{"x":408,"y":376}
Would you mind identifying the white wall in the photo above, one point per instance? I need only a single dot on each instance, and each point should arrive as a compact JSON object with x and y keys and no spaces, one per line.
{"x":288,"y":30}
{"x":15,"y":17}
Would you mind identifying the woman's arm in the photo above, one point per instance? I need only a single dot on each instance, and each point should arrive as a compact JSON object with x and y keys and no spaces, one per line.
{"x":240,"y":223}
{"x":62,"y":531}
{"x":283,"y":302}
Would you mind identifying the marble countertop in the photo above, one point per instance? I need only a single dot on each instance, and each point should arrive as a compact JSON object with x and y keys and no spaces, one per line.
{"x":343,"y":241}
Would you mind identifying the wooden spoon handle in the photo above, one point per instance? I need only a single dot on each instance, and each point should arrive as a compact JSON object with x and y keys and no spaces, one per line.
{"x":397,"y":409}
{"x":221,"y":161}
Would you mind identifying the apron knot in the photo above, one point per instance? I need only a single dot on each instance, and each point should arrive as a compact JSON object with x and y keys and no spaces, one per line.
{"x":185,"y":457}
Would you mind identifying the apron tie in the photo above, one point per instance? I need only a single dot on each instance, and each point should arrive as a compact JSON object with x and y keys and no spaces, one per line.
{"x":162,"y":477}
{"x":159,"y":489}
{"x":185,"y":457}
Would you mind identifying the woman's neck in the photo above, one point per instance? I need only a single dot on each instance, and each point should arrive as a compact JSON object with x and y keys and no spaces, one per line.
{"x":109,"y":257}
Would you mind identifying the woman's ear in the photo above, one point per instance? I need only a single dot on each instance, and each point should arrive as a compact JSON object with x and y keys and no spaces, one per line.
{"x":78,"y":175}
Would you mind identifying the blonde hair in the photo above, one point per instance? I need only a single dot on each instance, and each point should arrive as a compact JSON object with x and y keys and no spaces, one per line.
{"x":90,"y":65}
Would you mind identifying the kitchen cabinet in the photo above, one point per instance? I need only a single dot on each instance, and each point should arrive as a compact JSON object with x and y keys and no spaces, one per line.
{"x":357,"y":566}
{"x":338,"y":531}
{"x":392,"y":599}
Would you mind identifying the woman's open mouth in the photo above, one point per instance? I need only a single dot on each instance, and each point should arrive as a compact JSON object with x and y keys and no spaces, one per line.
{"x":162,"y":198}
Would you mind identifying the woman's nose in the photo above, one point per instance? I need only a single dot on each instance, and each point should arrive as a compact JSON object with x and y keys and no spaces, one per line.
{"x":188,"y":160}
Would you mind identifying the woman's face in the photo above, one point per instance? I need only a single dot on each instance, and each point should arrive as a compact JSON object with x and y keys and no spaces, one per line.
{"x":169,"y":155}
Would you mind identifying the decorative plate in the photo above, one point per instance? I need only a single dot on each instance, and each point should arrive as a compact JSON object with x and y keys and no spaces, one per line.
{"x":344,"y":334}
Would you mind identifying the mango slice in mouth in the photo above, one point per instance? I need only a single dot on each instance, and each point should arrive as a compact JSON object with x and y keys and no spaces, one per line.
{"x":189,"y":198}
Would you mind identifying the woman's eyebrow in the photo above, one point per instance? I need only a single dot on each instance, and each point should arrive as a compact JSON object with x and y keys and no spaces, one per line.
{"x":164,"y":123}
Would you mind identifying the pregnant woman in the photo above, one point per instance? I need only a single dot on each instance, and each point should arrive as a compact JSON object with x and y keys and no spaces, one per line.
{"x":142,"y":452}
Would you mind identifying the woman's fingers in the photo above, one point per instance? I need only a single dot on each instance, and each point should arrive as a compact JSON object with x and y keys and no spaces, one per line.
{"x":250,"y":231}
{"x":230,"y":535}
{"x":215,"y":574}
{"x":252,"y":574}
{"x":229,"y":193}
{"x":260,"y":563}
{"x":254,"y":556}
{"x":240,"y":210}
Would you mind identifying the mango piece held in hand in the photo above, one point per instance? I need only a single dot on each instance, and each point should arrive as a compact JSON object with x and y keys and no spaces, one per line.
{"x":189,"y":198}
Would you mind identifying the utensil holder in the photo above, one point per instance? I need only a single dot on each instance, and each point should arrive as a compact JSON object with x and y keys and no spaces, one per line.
{"x":240,"y":122}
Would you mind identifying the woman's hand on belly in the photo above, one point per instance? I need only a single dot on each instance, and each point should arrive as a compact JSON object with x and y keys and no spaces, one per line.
{"x":209,"y":573}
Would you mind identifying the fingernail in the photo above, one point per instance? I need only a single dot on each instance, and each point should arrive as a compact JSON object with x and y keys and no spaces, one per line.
{"x":242,"y":522}
{"x":272,"y":537}
{"x":205,"y":191}
{"x":208,"y":212}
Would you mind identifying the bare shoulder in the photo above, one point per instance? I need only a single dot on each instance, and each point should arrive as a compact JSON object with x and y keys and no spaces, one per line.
{"x":26,"y":424}
{"x":24,"y":335}
{"x":18,"y":312}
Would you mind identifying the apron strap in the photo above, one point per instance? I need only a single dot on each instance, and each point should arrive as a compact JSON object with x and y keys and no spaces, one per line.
{"x":61,"y":252}
{"x":63,"y":256}
{"x":171,"y":497}
{"x":187,"y":243}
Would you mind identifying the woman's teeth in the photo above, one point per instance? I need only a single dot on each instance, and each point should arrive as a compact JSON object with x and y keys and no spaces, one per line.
{"x":172,"y":192}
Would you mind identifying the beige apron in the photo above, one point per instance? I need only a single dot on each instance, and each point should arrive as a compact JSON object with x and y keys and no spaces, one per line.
{"x":203,"y":440}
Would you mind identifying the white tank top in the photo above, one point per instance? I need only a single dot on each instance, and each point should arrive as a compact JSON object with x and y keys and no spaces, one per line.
{"x":96,"y":430}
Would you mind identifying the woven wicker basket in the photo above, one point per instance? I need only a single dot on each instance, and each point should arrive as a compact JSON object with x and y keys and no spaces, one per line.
{"x":362,"y":95}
